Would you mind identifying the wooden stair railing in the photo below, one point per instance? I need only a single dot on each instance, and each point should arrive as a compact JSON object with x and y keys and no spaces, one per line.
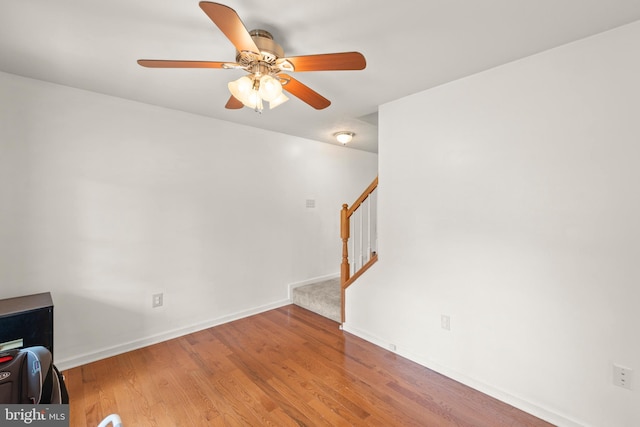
{"x":346,"y":276}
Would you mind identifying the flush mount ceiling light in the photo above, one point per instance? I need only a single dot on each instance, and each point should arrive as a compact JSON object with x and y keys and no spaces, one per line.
{"x":264,"y":59}
{"x":344,"y":137}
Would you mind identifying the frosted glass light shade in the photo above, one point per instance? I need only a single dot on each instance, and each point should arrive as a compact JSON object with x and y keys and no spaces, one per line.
{"x":344,"y":137}
{"x":254,"y":100}
{"x":270,"y":88}
{"x":241,"y":89}
{"x":279,"y":100}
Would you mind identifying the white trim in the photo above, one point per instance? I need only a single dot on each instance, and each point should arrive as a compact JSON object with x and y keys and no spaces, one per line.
{"x":83,"y":359}
{"x":506,"y":397}
{"x":292,"y":286}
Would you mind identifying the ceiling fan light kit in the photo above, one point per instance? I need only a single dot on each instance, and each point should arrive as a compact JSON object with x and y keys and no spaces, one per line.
{"x":260,"y":56}
{"x":253,"y":90}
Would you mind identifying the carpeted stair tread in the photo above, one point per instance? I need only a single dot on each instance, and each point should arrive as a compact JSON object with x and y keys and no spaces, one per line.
{"x":322,"y":298}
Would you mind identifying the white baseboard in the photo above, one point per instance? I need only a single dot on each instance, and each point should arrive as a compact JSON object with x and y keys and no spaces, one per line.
{"x":103,"y":353}
{"x":292,"y":286}
{"x":503,"y":396}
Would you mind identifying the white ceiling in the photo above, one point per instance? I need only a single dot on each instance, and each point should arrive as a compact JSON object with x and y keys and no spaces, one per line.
{"x":410,"y":45}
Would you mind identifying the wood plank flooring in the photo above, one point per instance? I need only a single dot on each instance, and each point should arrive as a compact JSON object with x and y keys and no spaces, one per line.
{"x":284,"y":367}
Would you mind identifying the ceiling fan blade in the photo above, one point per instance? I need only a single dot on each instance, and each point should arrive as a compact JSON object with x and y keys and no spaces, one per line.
{"x":159,"y":63}
{"x":231,"y":25}
{"x":304,"y":92}
{"x":233,"y":103}
{"x":329,"y":61}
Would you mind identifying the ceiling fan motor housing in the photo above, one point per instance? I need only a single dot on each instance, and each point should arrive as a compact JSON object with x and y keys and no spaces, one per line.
{"x":270,"y":50}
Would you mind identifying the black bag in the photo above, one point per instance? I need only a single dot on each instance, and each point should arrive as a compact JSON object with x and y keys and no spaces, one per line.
{"x":29,"y":376}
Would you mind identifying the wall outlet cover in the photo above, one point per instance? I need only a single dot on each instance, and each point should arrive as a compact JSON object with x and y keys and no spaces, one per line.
{"x":157,"y":300}
{"x":623,"y":377}
{"x":445,"y":322}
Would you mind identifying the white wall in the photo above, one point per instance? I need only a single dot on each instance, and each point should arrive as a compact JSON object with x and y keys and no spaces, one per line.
{"x":510,"y":201}
{"x":104,"y":202}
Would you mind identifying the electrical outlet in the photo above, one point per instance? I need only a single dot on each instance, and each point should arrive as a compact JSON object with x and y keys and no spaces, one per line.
{"x":445,"y":322}
{"x":157,"y":300}
{"x":623,"y":377}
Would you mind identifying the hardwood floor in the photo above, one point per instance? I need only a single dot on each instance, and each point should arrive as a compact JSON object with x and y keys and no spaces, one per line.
{"x":284,"y":367}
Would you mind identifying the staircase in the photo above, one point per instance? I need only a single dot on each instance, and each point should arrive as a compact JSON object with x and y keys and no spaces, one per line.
{"x":358,"y":230}
{"x":322,"y":298}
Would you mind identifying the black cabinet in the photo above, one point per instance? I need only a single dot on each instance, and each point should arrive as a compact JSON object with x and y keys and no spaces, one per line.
{"x":27,"y":321}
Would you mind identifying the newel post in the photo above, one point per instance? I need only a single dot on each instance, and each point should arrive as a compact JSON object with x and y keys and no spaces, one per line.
{"x":344,"y":267}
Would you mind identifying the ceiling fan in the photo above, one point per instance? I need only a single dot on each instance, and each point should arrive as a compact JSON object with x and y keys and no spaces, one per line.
{"x":259,"y":55}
